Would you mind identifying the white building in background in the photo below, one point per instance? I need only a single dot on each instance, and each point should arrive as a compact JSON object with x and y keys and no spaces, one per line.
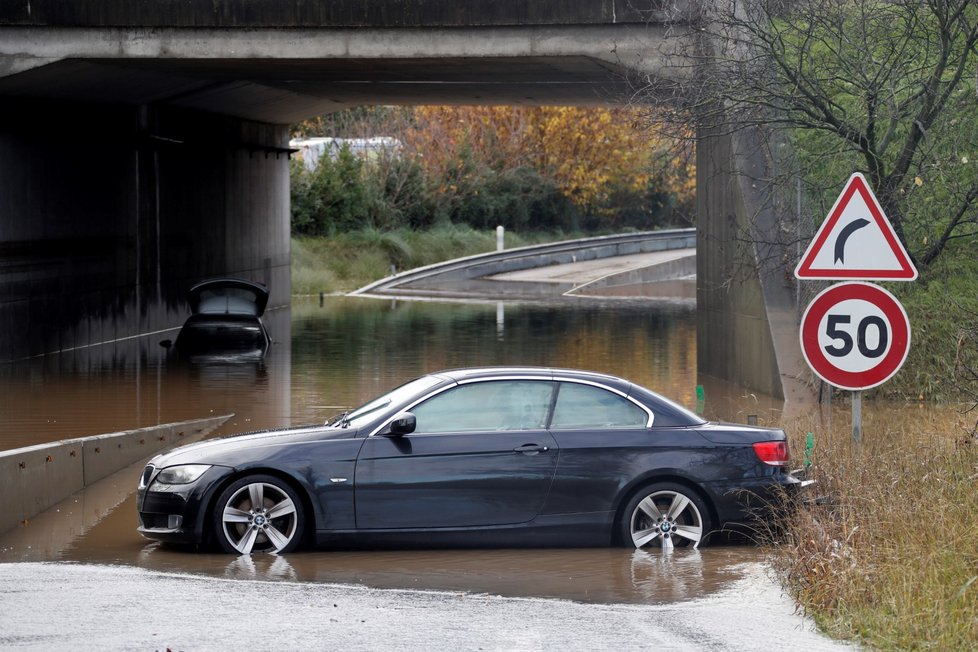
{"x":312,"y":149}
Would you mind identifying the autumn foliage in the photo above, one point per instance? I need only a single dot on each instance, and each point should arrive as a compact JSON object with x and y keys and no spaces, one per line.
{"x":527,"y":167}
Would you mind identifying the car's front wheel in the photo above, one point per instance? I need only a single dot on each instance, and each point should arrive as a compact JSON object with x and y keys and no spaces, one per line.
{"x":665,"y":515}
{"x":258,"y":513}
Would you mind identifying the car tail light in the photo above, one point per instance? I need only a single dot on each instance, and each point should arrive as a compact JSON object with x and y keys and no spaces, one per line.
{"x":774,"y":453}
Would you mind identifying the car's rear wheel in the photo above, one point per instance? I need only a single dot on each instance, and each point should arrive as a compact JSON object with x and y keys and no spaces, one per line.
{"x":665,"y":515}
{"x":258,"y":513}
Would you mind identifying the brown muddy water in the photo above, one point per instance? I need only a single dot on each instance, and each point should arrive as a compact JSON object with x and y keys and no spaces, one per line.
{"x":327,"y":358}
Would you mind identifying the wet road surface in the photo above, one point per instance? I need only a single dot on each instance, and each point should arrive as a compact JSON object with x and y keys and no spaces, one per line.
{"x":81,"y":607}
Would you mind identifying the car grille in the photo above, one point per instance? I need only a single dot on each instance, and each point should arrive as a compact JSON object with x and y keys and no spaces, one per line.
{"x":153,"y":521}
{"x":147,"y":476}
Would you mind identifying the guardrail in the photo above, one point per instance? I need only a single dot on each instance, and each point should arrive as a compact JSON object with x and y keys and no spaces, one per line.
{"x":461,"y":276}
{"x":34,"y":478}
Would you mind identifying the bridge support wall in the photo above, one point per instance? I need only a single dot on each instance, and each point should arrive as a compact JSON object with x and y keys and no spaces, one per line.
{"x":109,"y":213}
{"x":733,"y":337}
{"x":747,"y":323}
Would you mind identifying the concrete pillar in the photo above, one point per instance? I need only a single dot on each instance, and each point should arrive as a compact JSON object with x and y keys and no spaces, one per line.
{"x":733,"y":338}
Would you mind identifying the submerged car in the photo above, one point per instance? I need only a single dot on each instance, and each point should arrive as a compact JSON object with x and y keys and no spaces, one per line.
{"x":512,"y":456}
{"x":225,"y":318}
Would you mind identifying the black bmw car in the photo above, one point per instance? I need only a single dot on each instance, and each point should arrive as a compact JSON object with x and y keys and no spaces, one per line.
{"x":511,"y":456}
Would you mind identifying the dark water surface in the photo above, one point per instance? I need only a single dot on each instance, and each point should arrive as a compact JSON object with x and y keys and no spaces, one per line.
{"x":328,"y":358}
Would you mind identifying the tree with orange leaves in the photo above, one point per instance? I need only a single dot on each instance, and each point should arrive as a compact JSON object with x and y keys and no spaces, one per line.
{"x":589,"y":152}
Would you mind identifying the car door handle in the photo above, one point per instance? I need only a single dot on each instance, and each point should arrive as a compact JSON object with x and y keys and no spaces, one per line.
{"x":531,"y":449}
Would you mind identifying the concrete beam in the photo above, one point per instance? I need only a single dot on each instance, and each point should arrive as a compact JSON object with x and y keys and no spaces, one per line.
{"x":33,"y":479}
{"x":335,"y":13}
{"x":281,"y":76}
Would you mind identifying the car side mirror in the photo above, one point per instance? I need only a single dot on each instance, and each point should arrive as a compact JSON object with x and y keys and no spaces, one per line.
{"x":403,"y":424}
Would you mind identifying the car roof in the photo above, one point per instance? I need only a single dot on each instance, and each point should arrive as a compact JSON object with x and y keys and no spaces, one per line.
{"x":473,"y":373}
{"x":667,"y":411}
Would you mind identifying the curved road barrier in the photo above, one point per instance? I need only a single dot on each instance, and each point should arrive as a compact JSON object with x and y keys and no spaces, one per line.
{"x":496,"y":274}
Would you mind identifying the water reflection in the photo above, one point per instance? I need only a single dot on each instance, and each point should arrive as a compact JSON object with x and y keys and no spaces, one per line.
{"x":261,"y":567}
{"x":338,"y":354}
{"x":609,"y":575}
{"x":135,"y":383}
{"x":351,"y":349}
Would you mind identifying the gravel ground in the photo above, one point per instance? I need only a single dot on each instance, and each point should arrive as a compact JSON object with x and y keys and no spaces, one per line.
{"x":59,"y":606}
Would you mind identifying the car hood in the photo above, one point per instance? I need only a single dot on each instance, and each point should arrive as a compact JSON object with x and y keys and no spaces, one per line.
{"x":735,"y":433}
{"x":229,"y":450}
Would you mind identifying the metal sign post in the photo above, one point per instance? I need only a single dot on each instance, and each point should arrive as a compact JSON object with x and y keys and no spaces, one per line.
{"x":857,"y":418}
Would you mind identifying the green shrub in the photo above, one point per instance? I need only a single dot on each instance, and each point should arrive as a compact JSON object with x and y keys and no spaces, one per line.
{"x":334,"y":197}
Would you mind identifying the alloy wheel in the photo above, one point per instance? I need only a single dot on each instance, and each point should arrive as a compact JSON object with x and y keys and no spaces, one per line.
{"x":668,"y":518}
{"x":259,"y":517}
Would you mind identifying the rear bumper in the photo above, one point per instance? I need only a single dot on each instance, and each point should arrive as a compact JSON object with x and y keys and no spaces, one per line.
{"x":746,"y":500}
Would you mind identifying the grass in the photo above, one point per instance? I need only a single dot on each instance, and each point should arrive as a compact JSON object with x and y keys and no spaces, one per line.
{"x":353,"y":259}
{"x":891,"y":561}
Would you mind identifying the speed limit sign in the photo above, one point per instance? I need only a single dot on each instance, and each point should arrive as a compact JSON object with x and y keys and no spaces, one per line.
{"x":855,"y":335}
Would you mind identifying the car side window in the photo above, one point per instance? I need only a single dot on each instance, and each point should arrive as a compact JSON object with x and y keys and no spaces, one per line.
{"x":489,"y":405}
{"x":585,"y":406}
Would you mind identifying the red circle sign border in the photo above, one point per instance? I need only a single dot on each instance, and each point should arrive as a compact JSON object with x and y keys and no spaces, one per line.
{"x":891,"y":362}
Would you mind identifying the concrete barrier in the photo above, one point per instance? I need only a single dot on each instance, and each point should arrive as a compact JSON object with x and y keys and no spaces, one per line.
{"x":671,"y":270}
{"x":467,"y":276}
{"x":34,"y":478}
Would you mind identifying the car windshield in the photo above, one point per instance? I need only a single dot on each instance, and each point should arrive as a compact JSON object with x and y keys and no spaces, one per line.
{"x":396,"y":396}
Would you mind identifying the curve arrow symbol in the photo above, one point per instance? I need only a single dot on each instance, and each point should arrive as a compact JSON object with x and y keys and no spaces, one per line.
{"x":840,"y":242}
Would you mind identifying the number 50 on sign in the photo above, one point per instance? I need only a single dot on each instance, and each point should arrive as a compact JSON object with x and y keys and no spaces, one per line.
{"x":855,"y":335}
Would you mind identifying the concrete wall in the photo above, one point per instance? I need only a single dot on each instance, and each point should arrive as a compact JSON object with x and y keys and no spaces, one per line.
{"x":747,"y":322}
{"x":680,"y":267}
{"x":733,"y":338}
{"x":35,"y":478}
{"x":109,"y":214}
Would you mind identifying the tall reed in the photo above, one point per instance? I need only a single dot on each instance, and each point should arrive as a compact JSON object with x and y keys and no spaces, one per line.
{"x":891,"y":557}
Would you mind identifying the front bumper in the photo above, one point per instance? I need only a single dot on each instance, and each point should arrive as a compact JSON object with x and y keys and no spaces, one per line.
{"x":178,"y":513}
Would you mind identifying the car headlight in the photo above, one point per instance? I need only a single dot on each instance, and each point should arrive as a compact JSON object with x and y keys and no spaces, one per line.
{"x":183,"y":474}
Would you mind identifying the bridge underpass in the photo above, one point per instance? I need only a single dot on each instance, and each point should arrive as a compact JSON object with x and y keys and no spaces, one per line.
{"x":144,"y":145}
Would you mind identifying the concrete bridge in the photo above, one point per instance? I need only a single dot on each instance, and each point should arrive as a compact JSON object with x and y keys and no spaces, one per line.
{"x":143,"y":145}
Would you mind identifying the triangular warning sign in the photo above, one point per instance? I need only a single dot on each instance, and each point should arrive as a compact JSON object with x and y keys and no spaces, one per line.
{"x":856,"y":241}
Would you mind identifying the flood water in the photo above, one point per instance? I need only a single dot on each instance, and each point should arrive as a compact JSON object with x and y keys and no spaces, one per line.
{"x":327,"y":358}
